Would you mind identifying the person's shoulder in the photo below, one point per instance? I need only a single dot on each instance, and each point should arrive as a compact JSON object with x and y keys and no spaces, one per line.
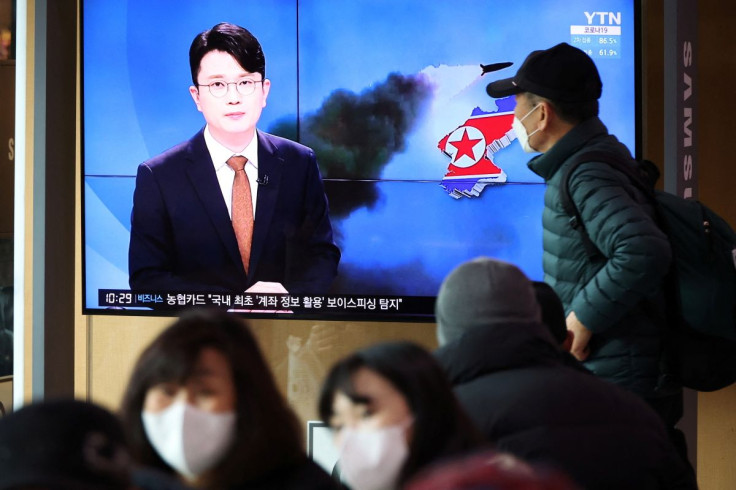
{"x":620,"y":404}
{"x":284,"y":144}
{"x":606,"y":144}
{"x":176,"y":153}
{"x":309,"y":475}
{"x":146,"y":478}
{"x":304,"y":474}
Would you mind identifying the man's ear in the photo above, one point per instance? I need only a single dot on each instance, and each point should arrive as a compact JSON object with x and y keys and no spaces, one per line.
{"x":194,"y":92}
{"x":266,"y":86}
{"x":546,"y":115}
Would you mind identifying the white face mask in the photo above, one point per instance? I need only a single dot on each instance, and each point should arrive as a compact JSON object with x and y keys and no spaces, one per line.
{"x":190,"y":440}
{"x":372,"y":459}
{"x":521,"y":133}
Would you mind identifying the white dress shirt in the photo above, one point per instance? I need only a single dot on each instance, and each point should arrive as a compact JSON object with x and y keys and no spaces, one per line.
{"x":226,"y":175}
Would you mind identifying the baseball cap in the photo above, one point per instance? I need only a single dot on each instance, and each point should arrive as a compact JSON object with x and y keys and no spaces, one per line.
{"x":561,"y":73}
{"x":65,"y":445}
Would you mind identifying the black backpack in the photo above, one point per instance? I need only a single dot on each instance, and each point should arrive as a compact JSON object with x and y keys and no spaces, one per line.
{"x":700,"y":288}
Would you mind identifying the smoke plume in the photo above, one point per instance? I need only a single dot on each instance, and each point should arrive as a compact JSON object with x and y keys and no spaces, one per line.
{"x":355,"y":135}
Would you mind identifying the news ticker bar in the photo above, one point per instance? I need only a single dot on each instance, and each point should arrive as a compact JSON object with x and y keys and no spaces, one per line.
{"x":280,"y":303}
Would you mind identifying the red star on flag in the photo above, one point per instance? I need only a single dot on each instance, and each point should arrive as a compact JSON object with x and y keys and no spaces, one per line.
{"x":464,"y":146}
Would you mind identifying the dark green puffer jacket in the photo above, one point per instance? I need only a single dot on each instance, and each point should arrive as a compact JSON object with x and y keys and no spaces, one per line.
{"x":617,"y":297}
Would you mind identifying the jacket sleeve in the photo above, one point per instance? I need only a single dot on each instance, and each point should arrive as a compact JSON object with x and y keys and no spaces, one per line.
{"x":151,"y":262}
{"x":619,"y":221}
{"x":314,"y":259}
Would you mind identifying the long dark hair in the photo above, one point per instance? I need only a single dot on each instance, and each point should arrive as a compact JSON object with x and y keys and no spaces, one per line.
{"x":268,"y":432}
{"x":441,"y":428}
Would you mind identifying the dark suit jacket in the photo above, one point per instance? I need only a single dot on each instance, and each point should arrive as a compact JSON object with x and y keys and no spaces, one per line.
{"x":181,"y":237}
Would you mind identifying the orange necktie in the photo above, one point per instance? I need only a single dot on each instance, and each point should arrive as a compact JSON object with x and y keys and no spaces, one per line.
{"x":242,"y":208}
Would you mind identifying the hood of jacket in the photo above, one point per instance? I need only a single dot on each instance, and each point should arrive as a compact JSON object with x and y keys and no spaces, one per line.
{"x":498,"y":347}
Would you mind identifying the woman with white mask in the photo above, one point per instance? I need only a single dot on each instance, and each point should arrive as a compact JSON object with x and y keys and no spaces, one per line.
{"x":202,"y":404}
{"x":393,"y":413}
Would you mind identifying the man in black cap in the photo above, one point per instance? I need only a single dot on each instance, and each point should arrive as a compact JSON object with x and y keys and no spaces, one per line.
{"x":613,"y":302}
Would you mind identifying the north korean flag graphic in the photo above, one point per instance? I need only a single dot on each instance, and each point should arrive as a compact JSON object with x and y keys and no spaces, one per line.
{"x":471,"y":147}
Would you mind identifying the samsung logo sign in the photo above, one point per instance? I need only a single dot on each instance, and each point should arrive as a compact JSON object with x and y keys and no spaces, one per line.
{"x":687,"y":120}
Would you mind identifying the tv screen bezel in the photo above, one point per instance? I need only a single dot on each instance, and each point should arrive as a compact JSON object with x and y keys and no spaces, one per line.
{"x":317,"y":315}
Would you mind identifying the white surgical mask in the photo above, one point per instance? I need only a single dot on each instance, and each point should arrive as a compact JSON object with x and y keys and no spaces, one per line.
{"x":372,"y":459}
{"x":521,"y":133}
{"x":189,"y":440}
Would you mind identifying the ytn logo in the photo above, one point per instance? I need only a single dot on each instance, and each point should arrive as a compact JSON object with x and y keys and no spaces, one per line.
{"x":604,"y":18}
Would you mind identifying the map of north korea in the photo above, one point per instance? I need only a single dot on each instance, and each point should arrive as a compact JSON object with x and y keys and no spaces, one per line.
{"x":471,"y":148}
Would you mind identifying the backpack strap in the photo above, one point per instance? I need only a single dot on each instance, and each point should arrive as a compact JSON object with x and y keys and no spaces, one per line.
{"x":576,"y":220}
{"x":643,"y":178}
{"x":643,"y":175}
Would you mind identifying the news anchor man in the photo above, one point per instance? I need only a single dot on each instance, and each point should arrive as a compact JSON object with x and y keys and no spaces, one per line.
{"x":233,"y":208}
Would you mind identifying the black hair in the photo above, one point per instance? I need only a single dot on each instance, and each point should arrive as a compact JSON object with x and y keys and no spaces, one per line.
{"x":63,"y":444}
{"x":570,"y":112}
{"x":441,"y":428}
{"x":234,"y":40}
{"x":268,"y":434}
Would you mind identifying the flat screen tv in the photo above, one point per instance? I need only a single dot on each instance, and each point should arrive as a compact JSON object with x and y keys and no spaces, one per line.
{"x":418,"y":168}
